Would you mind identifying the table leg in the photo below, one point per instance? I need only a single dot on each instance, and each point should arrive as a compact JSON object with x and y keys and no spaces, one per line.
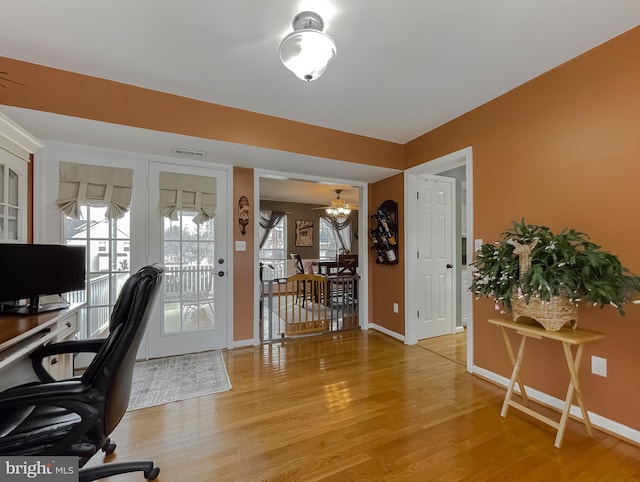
{"x":512,"y":358}
{"x":573,"y":389}
{"x":514,"y":376}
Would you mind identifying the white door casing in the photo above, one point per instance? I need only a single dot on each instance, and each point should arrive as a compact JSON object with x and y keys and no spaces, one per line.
{"x":191,"y":315}
{"x":462,"y":157}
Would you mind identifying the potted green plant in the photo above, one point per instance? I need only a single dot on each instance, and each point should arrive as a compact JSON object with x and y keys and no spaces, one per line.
{"x":533,"y":272}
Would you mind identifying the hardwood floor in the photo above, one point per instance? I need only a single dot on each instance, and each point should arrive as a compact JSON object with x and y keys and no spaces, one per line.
{"x":359,"y":406}
{"x":452,"y":347}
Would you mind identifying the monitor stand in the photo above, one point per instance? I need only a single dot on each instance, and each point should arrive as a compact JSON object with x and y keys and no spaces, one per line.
{"x":34,"y":307}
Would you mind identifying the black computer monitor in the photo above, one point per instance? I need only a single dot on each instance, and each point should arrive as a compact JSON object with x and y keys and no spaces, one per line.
{"x":30,"y":271}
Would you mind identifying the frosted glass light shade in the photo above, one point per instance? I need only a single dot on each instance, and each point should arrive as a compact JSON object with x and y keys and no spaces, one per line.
{"x":307,"y":50}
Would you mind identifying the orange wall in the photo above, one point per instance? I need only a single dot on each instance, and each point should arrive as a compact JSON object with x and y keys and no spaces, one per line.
{"x":243,"y":266}
{"x":387,"y":281}
{"x":562,"y":150}
{"x":68,"y":93}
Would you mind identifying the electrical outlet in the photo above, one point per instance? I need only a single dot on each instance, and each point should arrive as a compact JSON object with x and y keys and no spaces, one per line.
{"x":599,"y":366}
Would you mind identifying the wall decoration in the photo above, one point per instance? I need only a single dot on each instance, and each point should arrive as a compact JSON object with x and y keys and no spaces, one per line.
{"x":384,"y":232}
{"x":304,"y":233}
{"x":243,"y":214}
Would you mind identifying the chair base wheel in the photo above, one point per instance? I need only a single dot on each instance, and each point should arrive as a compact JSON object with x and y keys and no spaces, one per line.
{"x":152,"y":474}
{"x":109,"y":447}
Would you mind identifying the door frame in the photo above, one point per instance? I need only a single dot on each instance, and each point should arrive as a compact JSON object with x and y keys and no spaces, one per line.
{"x":462,"y":157}
{"x":363,"y":240}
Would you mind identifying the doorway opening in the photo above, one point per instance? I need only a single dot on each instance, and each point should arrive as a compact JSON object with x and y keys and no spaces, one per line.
{"x":299,"y":238}
{"x":456,"y":166}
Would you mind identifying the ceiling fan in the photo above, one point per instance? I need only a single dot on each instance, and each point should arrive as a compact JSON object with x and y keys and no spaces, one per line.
{"x":339,"y":207}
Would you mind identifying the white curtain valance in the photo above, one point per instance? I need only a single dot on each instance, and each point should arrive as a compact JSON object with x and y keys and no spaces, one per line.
{"x":185,"y":192}
{"x":84,"y":184}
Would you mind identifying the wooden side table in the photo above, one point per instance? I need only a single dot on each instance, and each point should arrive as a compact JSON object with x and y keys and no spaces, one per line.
{"x":568,"y":338}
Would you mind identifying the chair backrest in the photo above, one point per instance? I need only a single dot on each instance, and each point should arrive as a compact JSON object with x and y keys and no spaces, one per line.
{"x":111,"y":371}
{"x":297,"y":261}
{"x":347,"y":263}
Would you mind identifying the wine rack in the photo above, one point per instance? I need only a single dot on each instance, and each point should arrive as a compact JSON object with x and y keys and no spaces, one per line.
{"x":384,"y":233}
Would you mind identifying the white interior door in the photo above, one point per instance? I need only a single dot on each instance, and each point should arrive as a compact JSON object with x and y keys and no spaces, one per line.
{"x":435,"y":242}
{"x":191,"y":316}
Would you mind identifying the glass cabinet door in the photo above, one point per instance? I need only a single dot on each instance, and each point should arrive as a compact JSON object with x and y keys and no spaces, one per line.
{"x":12,"y":208}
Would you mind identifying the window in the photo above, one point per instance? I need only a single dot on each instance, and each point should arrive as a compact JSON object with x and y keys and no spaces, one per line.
{"x":328,"y":246}
{"x":108,"y":264}
{"x":12,"y":199}
{"x":273,"y":255}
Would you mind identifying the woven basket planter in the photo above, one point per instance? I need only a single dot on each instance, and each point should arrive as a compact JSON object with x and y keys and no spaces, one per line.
{"x":552,"y":314}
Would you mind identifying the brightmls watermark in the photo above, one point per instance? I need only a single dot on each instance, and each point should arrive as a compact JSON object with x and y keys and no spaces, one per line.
{"x":39,"y":468}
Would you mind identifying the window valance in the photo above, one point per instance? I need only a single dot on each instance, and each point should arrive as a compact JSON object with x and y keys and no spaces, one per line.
{"x":84,"y":184}
{"x":185,"y":192}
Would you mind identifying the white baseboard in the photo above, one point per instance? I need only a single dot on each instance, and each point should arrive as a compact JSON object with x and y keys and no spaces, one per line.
{"x":245,"y":343}
{"x":382,"y":329}
{"x":609,"y":426}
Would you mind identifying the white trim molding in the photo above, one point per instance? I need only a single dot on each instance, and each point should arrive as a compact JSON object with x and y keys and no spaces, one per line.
{"x":15,"y":139}
{"x":609,"y":426}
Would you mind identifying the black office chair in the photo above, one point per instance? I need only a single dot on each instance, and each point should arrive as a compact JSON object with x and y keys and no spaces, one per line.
{"x":77,"y":416}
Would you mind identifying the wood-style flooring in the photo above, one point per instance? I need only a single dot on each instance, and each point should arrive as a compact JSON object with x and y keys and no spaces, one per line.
{"x":359,"y":406}
{"x":452,"y":347}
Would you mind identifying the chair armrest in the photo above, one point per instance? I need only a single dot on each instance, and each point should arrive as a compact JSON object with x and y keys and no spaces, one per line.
{"x":70,"y":346}
{"x":52,"y":394}
{"x":72,"y":395}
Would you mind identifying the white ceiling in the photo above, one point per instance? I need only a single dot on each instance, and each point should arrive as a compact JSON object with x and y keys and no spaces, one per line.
{"x":403,"y":67}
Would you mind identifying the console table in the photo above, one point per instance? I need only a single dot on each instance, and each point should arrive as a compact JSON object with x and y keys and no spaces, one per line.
{"x":21,"y":334}
{"x":568,"y":338}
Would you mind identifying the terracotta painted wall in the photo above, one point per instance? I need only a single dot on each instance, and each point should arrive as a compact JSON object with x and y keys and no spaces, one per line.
{"x":387,"y":281}
{"x":243,"y":265}
{"x":54,"y":90}
{"x":562,"y":150}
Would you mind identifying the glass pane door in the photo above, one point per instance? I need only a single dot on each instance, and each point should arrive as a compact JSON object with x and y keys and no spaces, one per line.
{"x":189,"y":302}
{"x":192,"y":315}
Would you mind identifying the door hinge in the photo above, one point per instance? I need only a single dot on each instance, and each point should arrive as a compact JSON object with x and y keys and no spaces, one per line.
{"x":418,"y":314}
{"x":418,"y":195}
{"x":418,"y":254}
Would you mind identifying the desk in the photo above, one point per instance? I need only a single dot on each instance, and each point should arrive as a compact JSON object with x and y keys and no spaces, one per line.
{"x":21,"y":334}
{"x":569,"y":338}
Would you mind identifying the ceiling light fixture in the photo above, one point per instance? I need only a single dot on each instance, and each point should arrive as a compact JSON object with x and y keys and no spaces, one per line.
{"x":307,"y":50}
{"x":338,"y":208}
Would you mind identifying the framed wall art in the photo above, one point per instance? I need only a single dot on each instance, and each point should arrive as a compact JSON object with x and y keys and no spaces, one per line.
{"x":304,"y":233}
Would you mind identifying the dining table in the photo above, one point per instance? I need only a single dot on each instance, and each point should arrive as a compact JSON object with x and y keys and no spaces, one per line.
{"x":324,"y":266}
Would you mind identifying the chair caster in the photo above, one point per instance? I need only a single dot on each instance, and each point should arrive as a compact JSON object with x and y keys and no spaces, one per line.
{"x":152,"y":474}
{"x":109,"y":447}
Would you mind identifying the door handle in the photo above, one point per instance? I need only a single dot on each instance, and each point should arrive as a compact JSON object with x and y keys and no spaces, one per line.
{"x":221,"y":273}
{"x":449,"y":266}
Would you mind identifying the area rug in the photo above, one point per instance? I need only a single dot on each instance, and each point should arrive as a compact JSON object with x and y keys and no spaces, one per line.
{"x":170,"y":379}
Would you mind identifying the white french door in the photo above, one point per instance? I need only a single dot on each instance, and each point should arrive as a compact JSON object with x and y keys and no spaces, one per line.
{"x":191,"y":315}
